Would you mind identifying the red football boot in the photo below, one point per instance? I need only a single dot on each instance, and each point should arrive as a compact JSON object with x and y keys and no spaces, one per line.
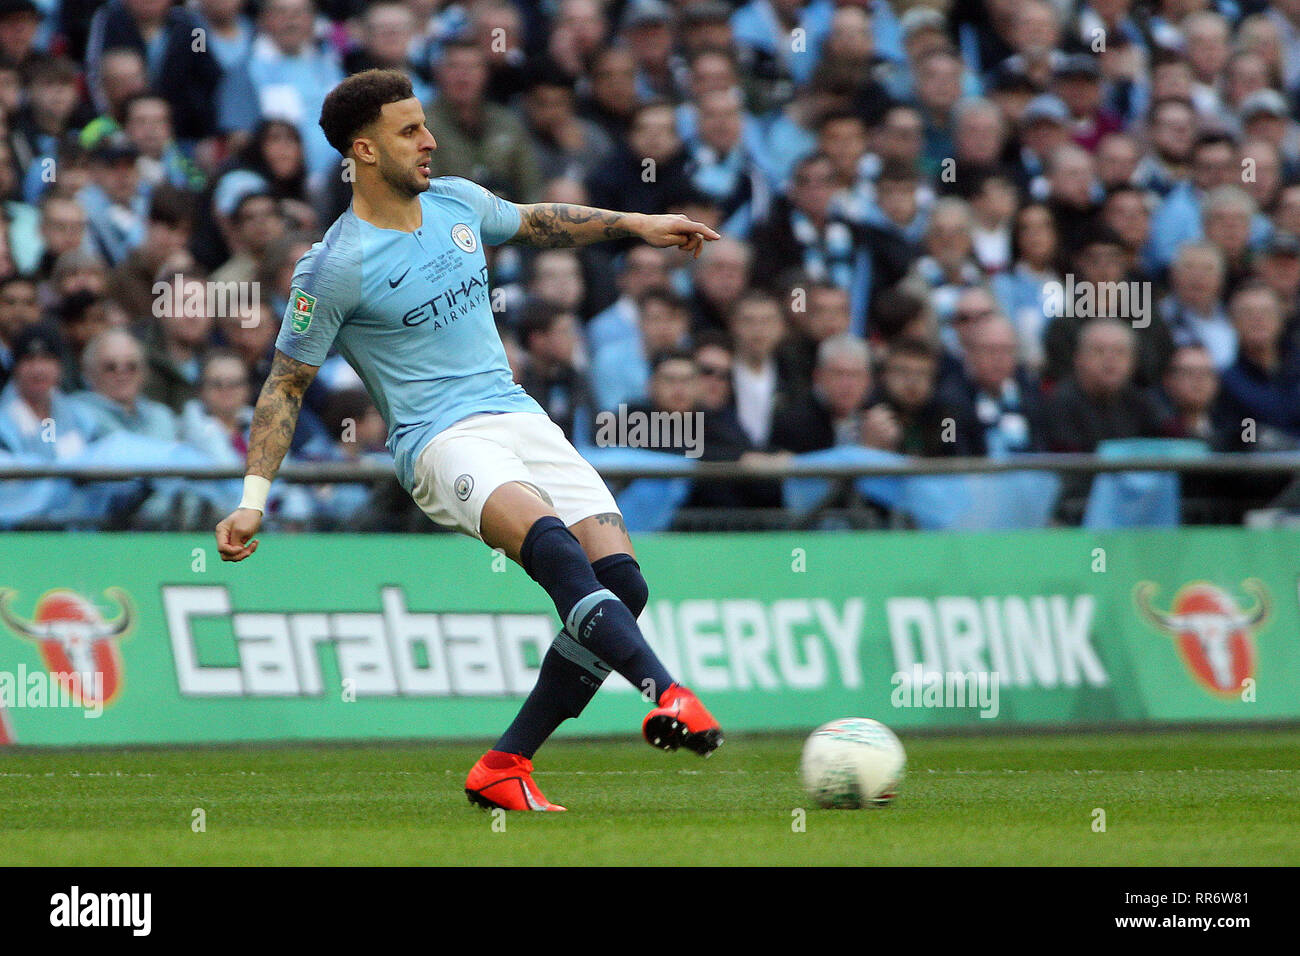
{"x":505,"y":781}
{"x":680,"y":720}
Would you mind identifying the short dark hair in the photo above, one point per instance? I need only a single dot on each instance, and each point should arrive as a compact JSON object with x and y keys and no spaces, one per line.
{"x":897,"y":171}
{"x":671,"y":355}
{"x":911,"y":348}
{"x":664,"y":296}
{"x":538,"y":318}
{"x":172,"y":207}
{"x":357,"y":102}
{"x":894,"y":310}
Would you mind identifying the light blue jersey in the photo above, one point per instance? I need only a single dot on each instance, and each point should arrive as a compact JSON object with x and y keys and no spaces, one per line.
{"x":411,"y":312}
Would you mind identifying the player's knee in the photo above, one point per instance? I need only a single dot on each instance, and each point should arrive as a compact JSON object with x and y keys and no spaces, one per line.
{"x":622,"y":575}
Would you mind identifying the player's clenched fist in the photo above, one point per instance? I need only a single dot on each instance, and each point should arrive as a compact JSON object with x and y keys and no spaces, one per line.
{"x":234,"y":534}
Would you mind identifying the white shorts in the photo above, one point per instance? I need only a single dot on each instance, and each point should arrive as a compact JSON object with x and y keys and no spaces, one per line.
{"x":460,"y":468}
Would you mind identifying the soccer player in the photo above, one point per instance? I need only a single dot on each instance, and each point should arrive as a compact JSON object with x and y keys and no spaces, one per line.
{"x":399,"y":285}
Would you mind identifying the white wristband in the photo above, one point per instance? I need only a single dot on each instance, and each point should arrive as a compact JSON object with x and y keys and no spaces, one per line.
{"x":256,"y":488}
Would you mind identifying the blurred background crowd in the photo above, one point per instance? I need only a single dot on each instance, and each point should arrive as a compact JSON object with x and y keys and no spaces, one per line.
{"x":901,"y":186}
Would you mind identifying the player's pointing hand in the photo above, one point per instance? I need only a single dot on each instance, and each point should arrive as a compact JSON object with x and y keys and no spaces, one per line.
{"x":677,"y":230}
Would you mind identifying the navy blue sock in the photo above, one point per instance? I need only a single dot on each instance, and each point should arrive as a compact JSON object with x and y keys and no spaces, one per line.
{"x":570,"y":674}
{"x":593,"y":615}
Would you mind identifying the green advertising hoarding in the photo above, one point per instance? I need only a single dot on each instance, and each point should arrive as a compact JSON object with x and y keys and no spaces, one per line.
{"x":139,"y":638}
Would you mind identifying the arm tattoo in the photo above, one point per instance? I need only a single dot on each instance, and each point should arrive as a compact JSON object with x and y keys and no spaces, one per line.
{"x":276,"y":415}
{"x":554,"y":225}
{"x":614,"y":518}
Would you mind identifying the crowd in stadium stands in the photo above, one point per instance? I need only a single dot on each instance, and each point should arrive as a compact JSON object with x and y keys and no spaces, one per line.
{"x":904,"y":189}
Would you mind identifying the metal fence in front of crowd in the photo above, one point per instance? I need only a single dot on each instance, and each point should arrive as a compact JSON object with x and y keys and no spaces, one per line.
{"x":1162,"y":483}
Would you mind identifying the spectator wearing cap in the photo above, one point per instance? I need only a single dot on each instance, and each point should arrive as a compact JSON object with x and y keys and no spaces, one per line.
{"x":292,"y":71}
{"x":565,"y":144}
{"x":19,"y":310}
{"x":161,"y":255}
{"x":478,"y":139}
{"x":1261,"y":389}
{"x":1193,"y":309}
{"x":647,"y":29}
{"x":113,"y":367}
{"x":255,"y":223}
{"x":164,"y":36}
{"x":922,"y":30}
{"x":1077,"y":81}
{"x":115,"y":200}
{"x":1265,"y":116}
{"x":1044,"y":128}
{"x":36,"y":418}
{"x":1277,"y":265}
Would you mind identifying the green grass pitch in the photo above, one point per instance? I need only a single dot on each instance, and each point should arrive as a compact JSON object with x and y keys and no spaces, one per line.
{"x":1189,"y":798}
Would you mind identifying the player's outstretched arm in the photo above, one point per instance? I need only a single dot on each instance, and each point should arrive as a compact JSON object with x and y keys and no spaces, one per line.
{"x":553,"y":225}
{"x":274,"y":421}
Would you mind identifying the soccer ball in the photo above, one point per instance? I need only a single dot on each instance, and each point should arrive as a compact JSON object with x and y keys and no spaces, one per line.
{"x":852,"y":763}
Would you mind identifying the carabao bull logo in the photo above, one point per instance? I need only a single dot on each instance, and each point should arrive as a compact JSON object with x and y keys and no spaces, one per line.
{"x":75,"y":641}
{"x":1215,"y":638}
